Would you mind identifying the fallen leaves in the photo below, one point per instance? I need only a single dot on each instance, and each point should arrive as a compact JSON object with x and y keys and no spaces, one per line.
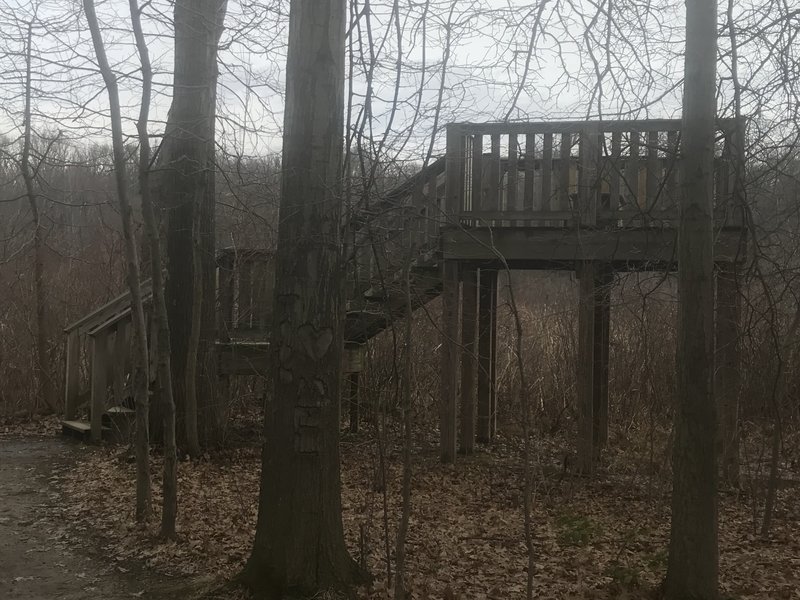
{"x":601,"y":538}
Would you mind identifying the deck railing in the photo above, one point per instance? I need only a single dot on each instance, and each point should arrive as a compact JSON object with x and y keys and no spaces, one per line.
{"x":587,"y":173}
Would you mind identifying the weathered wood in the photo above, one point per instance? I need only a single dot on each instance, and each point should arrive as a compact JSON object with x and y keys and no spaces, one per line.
{"x":353,"y":400}
{"x":454,"y":186}
{"x":587,"y":178}
{"x":99,"y":368}
{"x":469,"y":306}
{"x":727,"y":369}
{"x":492,"y":176}
{"x":72,"y":374}
{"x":121,"y":352}
{"x":653,"y":177}
{"x":226,"y":295}
{"x":602,"y":320}
{"x":449,"y":365}
{"x":528,"y":202}
{"x":563,"y":171}
{"x":487,"y":322}
{"x":587,"y":275}
{"x":513,"y":174}
{"x":478,"y":200}
{"x":244,"y":299}
{"x":557,"y":127}
{"x":631,"y":190}
{"x":615,"y":167}
{"x":671,"y":170}
{"x":243,"y":358}
{"x":640,"y":248}
{"x":547,"y":172}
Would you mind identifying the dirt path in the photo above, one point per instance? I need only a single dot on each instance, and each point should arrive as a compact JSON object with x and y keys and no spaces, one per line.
{"x":37,"y":558}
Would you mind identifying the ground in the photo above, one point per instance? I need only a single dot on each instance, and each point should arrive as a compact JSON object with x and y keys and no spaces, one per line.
{"x":592,"y":539}
{"x":43,"y":556}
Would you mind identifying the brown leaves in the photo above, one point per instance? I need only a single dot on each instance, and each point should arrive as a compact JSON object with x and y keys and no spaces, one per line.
{"x":598,"y":539}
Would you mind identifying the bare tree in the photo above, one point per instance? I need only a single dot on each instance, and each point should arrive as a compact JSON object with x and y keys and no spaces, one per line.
{"x":140,"y":354}
{"x":693,"y":553}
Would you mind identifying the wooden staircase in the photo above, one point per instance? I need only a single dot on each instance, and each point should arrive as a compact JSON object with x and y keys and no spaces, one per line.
{"x":393,"y":250}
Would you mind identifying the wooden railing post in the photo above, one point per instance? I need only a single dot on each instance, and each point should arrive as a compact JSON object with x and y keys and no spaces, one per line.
{"x":72,"y":374}
{"x":469,"y":290}
{"x":99,"y":367}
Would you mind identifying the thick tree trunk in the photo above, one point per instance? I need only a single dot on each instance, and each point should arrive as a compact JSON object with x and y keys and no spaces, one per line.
{"x":299,"y":546}
{"x":692,"y":569}
{"x":186,"y":165}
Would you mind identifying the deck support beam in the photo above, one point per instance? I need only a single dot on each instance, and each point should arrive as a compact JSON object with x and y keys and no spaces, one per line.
{"x":72,"y":375}
{"x":469,"y":310}
{"x":449,"y":366}
{"x":602,"y":322}
{"x":99,"y":368}
{"x":487,"y":351}
{"x":587,"y":272}
{"x":727,"y":368}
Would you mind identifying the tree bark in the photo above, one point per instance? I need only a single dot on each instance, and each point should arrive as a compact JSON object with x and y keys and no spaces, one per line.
{"x":140,"y":358}
{"x":43,"y":367}
{"x":187,"y":168}
{"x":692,"y":569}
{"x":299,"y":546}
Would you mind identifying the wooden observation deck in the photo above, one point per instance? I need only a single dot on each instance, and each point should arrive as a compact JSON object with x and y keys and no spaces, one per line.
{"x":594,"y":197}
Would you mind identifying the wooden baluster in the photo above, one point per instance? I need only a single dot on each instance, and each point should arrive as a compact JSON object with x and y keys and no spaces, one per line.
{"x":226,"y":283}
{"x":99,"y":368}
{"x":513,"y":175}
{"x":478,"y":198}
{"x":632,"y":173}
{"x":493,"y":199}
{"x":587,"y":178}
{"x":615,"y":167}
{"x":722,"y":196}
{"x":530,"y":172}
{"x":72,"y":373}
{"x":245,"y":299}
{"x":454,"y":187}
{"x":432,"y":212}
{"x":671,"y":184}
{"x":653,"y":172}
{"x":547,"y":174}
{"x":564,"y":171}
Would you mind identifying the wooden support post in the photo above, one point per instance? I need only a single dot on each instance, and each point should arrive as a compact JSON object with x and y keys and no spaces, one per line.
{"x":121,"y":350}
{"x":487,"y":324}
{"x":353,"y":400}
{"x":226,"y":284}
{"x":585,"y":373}
{"x":99,"y":369}
{"x":469,"y":314}
{"x":72,"y":375}
{"x":449,"y":381}
{"x":726,"y":372}
{"x":602,"y":321}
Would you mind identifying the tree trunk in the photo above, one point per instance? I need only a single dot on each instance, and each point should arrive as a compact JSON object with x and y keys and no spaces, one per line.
{"x":140,"y":358}
{"x":43,"y":367}
{"x":142,"y":443}
{"x":299,"y":546}
{"x":692,"y":568}
{"x":186,"y":164}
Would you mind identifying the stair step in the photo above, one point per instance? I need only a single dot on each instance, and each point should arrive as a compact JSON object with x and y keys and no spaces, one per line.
{"x":80,"y":429}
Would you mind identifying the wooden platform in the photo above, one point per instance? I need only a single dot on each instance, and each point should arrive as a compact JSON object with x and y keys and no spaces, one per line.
{"x":560,"y":248}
